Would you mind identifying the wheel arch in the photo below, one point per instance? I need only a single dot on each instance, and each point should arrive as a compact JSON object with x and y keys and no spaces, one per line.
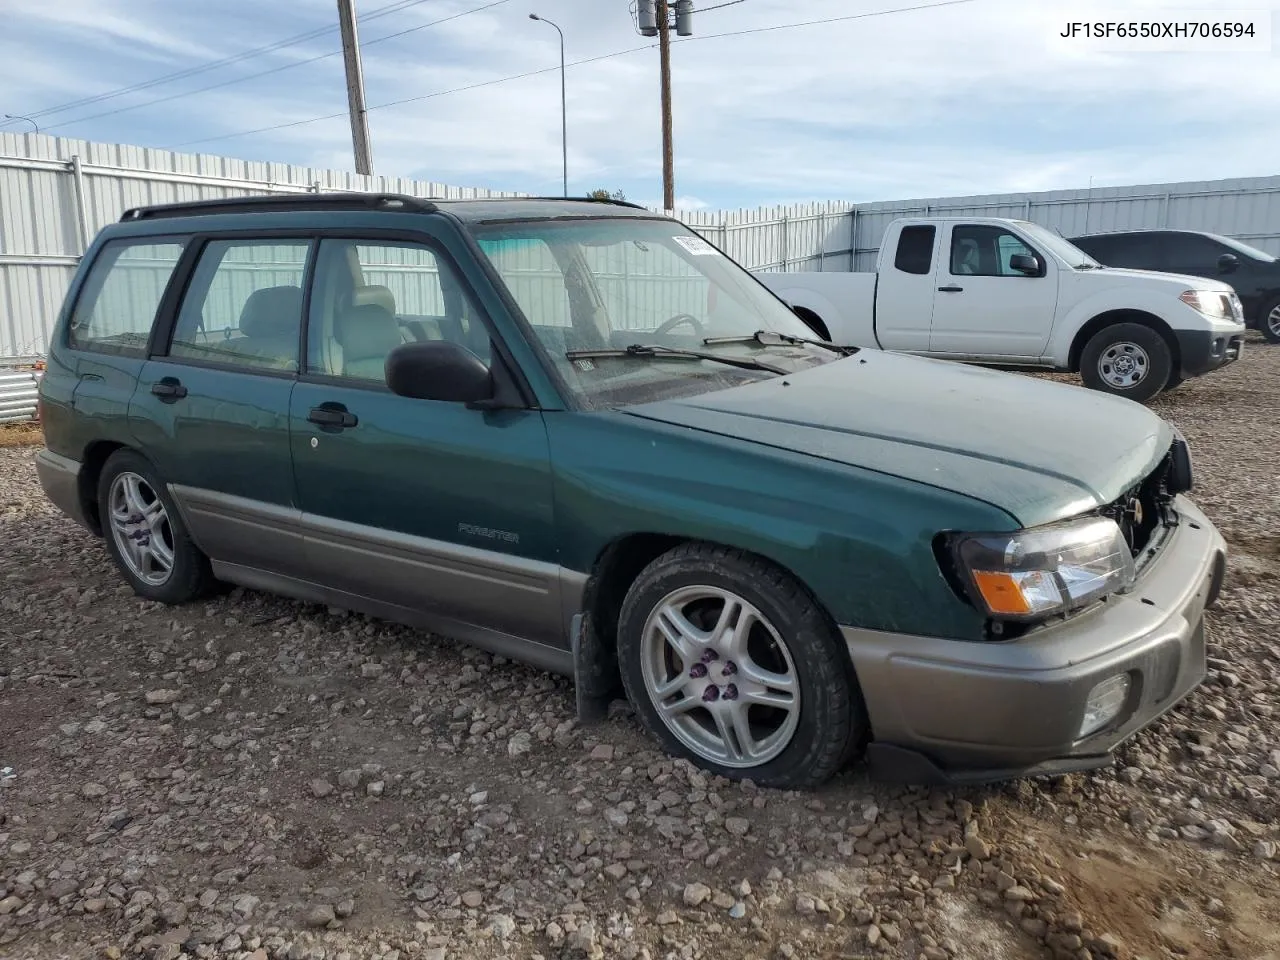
{"x":1111,"y":317}
{"x":815,"y":322}
{"x":95,"y":457}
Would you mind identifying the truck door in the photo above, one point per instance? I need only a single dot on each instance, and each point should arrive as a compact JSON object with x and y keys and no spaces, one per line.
{"x":986,"y":306}
{"x":904,"y":288}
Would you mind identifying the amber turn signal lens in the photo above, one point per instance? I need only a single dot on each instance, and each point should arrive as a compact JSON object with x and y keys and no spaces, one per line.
{"x":1001,"y":593}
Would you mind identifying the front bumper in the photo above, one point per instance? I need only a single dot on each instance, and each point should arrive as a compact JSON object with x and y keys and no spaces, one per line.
{"x":958,"y":711}
{"x":60,"y":478}
{"x":1206,"y":350}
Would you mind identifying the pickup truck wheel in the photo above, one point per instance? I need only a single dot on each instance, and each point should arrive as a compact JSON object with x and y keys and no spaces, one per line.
{"x":1270,"y":325}
{"x":1126,"y":359}
{"x":730,"y":663}
{"x":145,"y":534}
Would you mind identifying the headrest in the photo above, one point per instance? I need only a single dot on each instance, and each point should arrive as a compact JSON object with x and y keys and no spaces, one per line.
{"x":272,"y":311}
{"x":367,"y":331}
{"x":382,"y":296}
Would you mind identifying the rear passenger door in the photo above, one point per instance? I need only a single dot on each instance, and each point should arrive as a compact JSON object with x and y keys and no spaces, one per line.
{"x":904,"y":290}
{"x":212,"y":407}
{"x":421,"y":505}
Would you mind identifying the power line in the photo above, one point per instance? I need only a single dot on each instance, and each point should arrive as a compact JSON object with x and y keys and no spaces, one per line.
{"x":225,"y":61}
{"x":731,"y":3}
{"x":279,"y":69}
{"x":578,"y":63}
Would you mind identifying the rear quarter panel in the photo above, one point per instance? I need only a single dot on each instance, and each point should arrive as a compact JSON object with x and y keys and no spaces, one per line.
{"x":861,"y":541}
{"x":844,"y":301}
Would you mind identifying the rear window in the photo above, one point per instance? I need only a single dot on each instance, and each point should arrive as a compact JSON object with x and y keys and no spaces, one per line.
{"x":915,"y":249}
{"x":118,"y":305}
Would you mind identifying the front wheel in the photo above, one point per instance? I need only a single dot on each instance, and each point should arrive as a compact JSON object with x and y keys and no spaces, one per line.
{"x":1128,"y":360}
{"x":731,"y":664}
{"x":1270,"y":321}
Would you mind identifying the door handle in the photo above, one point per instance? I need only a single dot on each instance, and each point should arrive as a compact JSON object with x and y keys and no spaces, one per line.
{"x":169,"y":389}
{"x":332,"y":415}
{"x":952,"y":288}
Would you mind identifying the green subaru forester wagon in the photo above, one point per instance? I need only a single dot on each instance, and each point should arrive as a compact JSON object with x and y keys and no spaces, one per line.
{"x":578,"y":434}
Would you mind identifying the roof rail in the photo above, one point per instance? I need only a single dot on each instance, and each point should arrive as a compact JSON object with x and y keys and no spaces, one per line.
{"x":284,"y":201}
{"x":590,"y":199}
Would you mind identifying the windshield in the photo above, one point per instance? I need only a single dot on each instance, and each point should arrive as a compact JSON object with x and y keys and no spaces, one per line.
{"x":1060,"y":247}
{"x":608,"y":283}
{"x":1245,"y":249}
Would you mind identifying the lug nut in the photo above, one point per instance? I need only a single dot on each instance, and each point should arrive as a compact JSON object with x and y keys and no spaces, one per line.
{"x":711,"y":694}
{"x":710,"y":656}
{"x":729,"y":668}
{"x":731,"y":692}
{"x":698,"y":671}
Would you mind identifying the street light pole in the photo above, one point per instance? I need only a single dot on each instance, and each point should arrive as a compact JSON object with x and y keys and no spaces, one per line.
{"x":18,"y":116}
{"x":564,"y":107}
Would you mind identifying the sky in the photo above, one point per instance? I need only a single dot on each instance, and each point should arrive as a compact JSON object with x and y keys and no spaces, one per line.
{"x":977,"y":96}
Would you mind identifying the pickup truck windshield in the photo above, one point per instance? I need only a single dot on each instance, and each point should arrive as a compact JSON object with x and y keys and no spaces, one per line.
{"x":611,"y":283}
{"x":1244,"y":248}
{"x":1060,"y":247}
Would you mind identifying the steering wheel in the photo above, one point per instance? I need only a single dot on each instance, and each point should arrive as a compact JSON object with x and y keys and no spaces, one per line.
{"x":678,"y":319}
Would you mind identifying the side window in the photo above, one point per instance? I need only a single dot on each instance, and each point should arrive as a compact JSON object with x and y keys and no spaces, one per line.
{"x":915,"y":249}
{"x":118,"y":304}
{"x":244,"y":305}
{"x":1193,"y":254}
{"x":985,"y":251}
{"x":369,"y":297}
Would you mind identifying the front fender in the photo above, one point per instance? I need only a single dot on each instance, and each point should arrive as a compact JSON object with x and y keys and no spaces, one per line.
{"x":1159,"y":304}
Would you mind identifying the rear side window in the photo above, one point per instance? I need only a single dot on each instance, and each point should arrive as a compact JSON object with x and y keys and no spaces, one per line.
{"x":244,"y":305}
{"x":915,"y":249}
{"x":122,"y":293}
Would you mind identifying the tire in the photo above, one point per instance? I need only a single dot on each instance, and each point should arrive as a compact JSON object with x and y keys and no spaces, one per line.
{"x":1269,"y":321}
{"x":787,"y":640}
{"x":1175,"y":380}
{"x":128,"y":480}
{"x":1127,"y":360}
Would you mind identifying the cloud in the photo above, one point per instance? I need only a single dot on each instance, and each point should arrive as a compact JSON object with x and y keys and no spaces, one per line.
{"x":964,"y":99}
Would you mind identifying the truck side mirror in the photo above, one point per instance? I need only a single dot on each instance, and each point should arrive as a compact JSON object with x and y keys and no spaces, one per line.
{"x":1228,"y":263}
{"x":1025,"y":263}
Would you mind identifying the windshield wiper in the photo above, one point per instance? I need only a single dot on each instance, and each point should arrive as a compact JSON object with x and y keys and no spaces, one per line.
{"x":654,"y":351}
{"x":771,"y":338}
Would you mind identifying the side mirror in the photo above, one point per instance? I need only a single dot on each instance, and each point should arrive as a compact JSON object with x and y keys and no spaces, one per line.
{"x":1228,"y":263}
{"x":1025,"y":263}
{"x":438,"y":370}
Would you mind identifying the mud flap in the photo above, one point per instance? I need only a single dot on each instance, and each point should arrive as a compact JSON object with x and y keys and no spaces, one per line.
{"x":595,"y":671}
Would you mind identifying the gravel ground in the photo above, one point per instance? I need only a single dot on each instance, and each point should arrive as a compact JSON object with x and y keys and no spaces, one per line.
{"x":257,"y":778}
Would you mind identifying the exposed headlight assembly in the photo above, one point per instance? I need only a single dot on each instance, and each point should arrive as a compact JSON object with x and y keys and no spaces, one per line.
{"x":1044,"y":571}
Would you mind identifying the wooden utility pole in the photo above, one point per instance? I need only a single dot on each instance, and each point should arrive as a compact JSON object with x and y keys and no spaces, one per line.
{"x":355,"y":88}
{"x":668,"y":151}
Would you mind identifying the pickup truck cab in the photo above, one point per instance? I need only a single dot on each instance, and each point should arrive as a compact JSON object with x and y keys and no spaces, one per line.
{"x":577,"y":434}
{"x":1011,"y":293}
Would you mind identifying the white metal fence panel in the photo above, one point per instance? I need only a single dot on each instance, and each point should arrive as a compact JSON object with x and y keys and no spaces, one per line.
{"x":18,"y":395}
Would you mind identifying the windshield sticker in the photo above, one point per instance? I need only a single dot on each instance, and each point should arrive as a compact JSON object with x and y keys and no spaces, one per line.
{"x":697,"y":246}
{"x":586,"y":366}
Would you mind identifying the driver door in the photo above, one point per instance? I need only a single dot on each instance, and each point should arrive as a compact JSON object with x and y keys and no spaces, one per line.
{"x":427,"y":506}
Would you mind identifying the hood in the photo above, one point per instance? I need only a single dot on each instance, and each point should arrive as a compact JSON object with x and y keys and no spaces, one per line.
{"x":1039,"y":450}
{"x":1183,"y":281}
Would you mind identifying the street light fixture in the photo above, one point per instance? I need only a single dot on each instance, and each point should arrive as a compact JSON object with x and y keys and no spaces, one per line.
{"x":18,"y":116}
{"x":564,"y":107}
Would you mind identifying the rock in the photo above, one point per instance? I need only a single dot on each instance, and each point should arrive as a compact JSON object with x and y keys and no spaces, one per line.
{"x":61,"y":888}
{"x":375,"y":788}
{"x":666,"y":918}
{"x":10,"y":904}
{"x":1215,"y":908}
{"x":945,"y":881}
{"x":320,"y":915}
{"x":603,"y":751}
{"x":583,"y":940}
{"x":370,"y":671}
{"x":1034,"y":926}
{"x":243,"y":906}
{"x":173,"y":914}
{"x":1019,"y":893}
{"x":1109,"y":945}
{"x":738,"y":910}
{"x":615,"y":817}
{"x":738,"y":826}
{"x":93,"y":790}
{"x":160,"y":697}
{"x":321,"y":788}
{"x":344,"y":908}
{"x":520,"y":744}
{"x":873,"y":935}
{"x":721,"y":900}
{"x":615,"y":871}
{"x":349,"y":779}
{"x":1264,"y":849}
{"x":806,"y":906}
{"x":554,"y":932}
{"x":695,"y":894}
{"x":472,"y":899}
{"x":502,"y":926}
{"x":977,"y":847}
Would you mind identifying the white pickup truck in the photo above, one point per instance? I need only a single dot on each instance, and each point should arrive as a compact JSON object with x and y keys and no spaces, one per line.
{"x":1011,"y":293}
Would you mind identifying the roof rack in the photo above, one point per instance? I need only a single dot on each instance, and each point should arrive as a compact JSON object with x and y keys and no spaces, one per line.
{"x":619,"y":203}
{"x":395,"y":202}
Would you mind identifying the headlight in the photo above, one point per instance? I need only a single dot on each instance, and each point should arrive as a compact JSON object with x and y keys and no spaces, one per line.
{"x":1215,"y":305}
{"x":1033,"y":574}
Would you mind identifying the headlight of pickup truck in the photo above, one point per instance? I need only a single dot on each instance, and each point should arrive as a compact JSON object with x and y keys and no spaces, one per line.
{"x":1215,"y":305}
{"x":1036,"y":573}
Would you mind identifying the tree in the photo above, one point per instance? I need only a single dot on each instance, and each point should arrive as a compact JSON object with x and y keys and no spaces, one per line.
{"x":600,"y":193}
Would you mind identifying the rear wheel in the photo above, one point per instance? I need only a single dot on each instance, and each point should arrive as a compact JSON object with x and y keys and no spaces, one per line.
{"x":1128,"y":360}
{"x":145,"y":534}
{"x":730,"y":664}
{"x":1270,"y":321}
